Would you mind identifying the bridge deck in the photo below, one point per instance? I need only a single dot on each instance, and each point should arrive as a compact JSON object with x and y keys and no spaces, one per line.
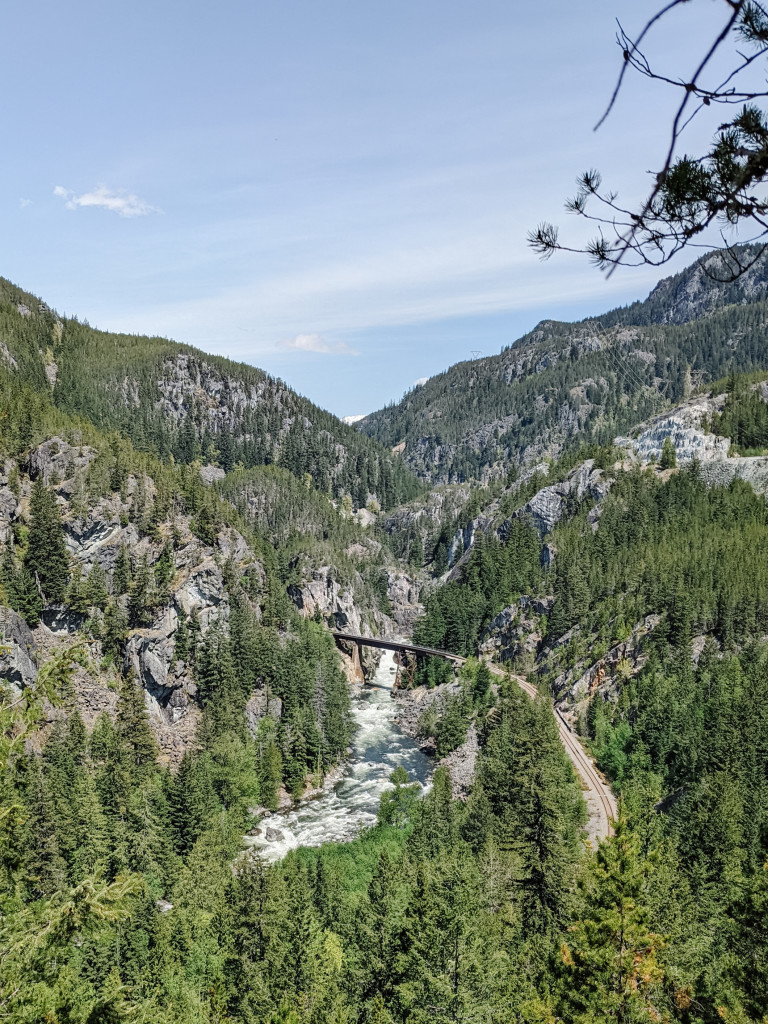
{"x":397,"y":645}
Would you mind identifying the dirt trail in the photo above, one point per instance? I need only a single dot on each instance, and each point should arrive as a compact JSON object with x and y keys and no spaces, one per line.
{"x":601,"y":802}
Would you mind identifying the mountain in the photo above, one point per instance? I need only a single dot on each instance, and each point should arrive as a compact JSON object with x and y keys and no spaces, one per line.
{"x":169,"y":686}
{"x":570,"y":383}
{"x":173,"y":400}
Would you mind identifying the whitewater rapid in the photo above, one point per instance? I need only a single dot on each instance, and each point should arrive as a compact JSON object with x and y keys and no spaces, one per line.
{"x":377,"y":749}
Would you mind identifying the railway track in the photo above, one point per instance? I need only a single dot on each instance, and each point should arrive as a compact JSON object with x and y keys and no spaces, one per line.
{"x":600,"y":799}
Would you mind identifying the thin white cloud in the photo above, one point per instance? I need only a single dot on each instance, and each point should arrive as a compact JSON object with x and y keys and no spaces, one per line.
{"x":24,"y":203}
{"x":124,"y":204}
{"x":314,"y":343}
{"x":349,"y":420}
{"x":420,"y":381}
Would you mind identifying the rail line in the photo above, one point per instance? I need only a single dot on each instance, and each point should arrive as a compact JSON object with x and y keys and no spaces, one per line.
{"x":599,"y":797}
{"x":602,"y":799}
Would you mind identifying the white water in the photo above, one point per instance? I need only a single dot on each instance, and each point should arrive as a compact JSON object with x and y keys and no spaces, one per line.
{"x":377,"y":749}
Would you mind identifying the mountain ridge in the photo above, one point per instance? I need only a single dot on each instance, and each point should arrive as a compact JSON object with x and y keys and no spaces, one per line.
{"x":564,"y":383}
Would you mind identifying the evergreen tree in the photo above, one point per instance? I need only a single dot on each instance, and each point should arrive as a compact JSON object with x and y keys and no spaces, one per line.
{"x":24,"y":596}
{"x":668,"y":458}
{"x":613,"y":967}
{"x":46,"y":558}
{"x":96,"y":587}
{"x":142,"y":596}
{"x":133,"y":728}
{"x":121,"y":579}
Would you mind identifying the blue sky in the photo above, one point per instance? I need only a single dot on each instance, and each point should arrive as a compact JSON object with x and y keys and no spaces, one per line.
{"x":338,"y":192}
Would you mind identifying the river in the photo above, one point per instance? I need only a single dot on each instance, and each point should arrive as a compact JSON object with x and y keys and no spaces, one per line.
{"x":377,"y":749}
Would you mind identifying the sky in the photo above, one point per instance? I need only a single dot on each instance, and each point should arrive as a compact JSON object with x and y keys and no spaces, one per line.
{"x":336,"y":192}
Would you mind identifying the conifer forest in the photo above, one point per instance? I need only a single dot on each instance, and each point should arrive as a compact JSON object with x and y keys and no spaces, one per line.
{"x":182,"y":539}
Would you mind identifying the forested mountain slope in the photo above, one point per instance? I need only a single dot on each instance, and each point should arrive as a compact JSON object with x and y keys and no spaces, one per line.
{"x":173,"y":400}
{"x":631,"y":585}
{"x":167,"y":681}
{"x":578,"y":382}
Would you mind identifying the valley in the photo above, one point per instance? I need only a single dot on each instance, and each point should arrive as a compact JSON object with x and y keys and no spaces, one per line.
{"x":215,"y":805}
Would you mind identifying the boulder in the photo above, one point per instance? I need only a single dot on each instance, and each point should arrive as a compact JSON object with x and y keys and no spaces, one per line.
{"x":210,"y":474}
{"x":274,"y":835}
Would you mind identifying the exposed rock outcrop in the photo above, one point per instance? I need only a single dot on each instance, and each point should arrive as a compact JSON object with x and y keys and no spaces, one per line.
{"x":461,"y":764}
{"x":684,"y":426}
{"x":752,"y":470}
{"x":514,"y":632}
{"x":573,"y":687}
{"x":549,"y":505}
{"x":18,"y":648}
{"x":56,"y":460}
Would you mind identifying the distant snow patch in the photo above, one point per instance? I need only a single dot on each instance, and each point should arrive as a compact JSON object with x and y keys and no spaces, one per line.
{"x":349,"y":420}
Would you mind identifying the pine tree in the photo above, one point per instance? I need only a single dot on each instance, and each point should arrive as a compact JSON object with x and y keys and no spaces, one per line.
{"x":668,"y":458}
{"x":115,"y":631}
{"x":45,"y":868}
{"x":141,"y":597}
{"x":121,"y":579}
{"x":270,"y":775}
{"x":133,"y":728}
{"x":612,"y":958}
{"x":96,"y":587}
{"x":192,"y":800}
{"x":24,"y":596}
{"x":46,"y":558}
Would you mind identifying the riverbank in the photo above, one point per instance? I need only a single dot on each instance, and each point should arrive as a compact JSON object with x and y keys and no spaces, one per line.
{"x":348,"y":799}
{"x":461,"y":763}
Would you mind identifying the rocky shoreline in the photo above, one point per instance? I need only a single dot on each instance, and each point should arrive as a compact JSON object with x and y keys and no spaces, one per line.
{"x":460,"y":762}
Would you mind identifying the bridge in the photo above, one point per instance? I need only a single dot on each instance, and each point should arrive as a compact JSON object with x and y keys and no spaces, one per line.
{"x":399,"y":646}
{"x":601,"y":802}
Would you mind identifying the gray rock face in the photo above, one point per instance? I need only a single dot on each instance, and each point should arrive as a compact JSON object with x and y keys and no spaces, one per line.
{"x":259,"y":706}
{"x":548,"y":555}
{"x":513,"y":632}
{"x":9,"y":511}
{"x":149,"y":656}
{"x":58,"y":460}
{"x":210,"y":474}
{"x":98,"y":538}
{"x":683,"y":426}
{"x":231,"y":544}
{"x":203,"y":591}
{"x":548,"y":506}
{"x":322,"y":593}
{"x":573,"y":687}
{"x":753,"y":470}
{"x":61,"y":621}
{"x":17,"y":652}
{"x":461,"y":764}
{"x":403,"y":596}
